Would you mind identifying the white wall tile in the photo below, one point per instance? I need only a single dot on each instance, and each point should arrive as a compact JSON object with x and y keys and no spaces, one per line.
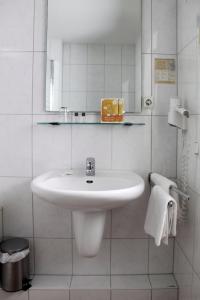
{"x":146,"y":25}
{"x":90,"y":282}
{"x":95,"y":78}
{"x":195,"y":287}
{"x":131,"y":294}
{"x":186,"y":230}
{"x":13,"y":296}
{"x":94,"y":101}
{"x":164,"y":26}
{"x":131,"y":282}
{"x":113,"y":55}
{"x":196,"y":259}
{"x":96,"y":54}
{"x":90,"y":287}
{"x":66,"y":78}
{"x":128,"y":55}
{"x":183,"y":274}
{"x":188,"y":74}
{"x":112,"y":94}
{"x":77,"y":101}
{"x":89,"y":295}
{"x":162,"y":281}
{"x":44,"y":282}
{"x":165,"y":294}
{"x":39,"y":82}
{"x":128,"y":79}
{"x":99,"y":265}
{"x":130,"y":101}
{"x":162,"y":92}
{"x":146,"y":75}
{"x":51,"y":146}
{"x":188,"y":162}
{"x":188,"y":11}
{"x":51,"y":221}
{"x":16,"y":197}
{"x":66,"y":54}
{"x":15,"y":137}
{"x":163,"y":147}
{"x":16,"y":82}
{"x":16,"y":25}
{"x":132,"y":150}
{"x":49,"y":295}
{"x":128,"y":221}
{"x":113,"y":78}
{"x":78,"y":78}
{"x":50,"y":287}
{"x":91,"y":141}
{"x":53,"y":256}
{"x":196,"y":158}
{"x":78,"y":54}
{"x":40,"y":25}
{"x":161,"y":258}
{"x":129,"y":256}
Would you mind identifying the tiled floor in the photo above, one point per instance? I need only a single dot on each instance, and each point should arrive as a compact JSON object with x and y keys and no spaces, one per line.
{"x":125,"y":287}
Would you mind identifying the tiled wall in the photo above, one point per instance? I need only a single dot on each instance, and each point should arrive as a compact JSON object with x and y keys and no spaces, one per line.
{"x":28,"y":149}
{"x":187,"y":249}
{"x":94,"y":71}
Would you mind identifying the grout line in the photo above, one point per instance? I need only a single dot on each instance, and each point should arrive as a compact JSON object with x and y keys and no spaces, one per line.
{"x":186,"y":45}
{"x":105,"y":275}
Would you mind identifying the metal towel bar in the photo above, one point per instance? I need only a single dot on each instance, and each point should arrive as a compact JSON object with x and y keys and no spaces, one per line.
{"x":172,"y":188}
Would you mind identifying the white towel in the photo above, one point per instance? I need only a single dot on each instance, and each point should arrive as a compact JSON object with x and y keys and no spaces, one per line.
{"x":161,"y":219}
{"x":166,"y":183}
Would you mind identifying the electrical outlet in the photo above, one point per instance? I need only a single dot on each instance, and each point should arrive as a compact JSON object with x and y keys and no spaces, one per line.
{"x":148,"y":102}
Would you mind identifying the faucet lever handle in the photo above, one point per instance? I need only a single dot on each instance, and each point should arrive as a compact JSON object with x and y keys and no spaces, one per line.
{"x":90,"y":166}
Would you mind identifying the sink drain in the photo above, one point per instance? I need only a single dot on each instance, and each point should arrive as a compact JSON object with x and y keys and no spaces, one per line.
{"x":89,"y":181}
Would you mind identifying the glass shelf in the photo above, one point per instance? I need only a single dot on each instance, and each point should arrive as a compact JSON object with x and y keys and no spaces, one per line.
{"x":91,"y":123}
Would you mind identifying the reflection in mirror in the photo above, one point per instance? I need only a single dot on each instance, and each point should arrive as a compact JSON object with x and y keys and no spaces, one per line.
{"x":93,"y":52}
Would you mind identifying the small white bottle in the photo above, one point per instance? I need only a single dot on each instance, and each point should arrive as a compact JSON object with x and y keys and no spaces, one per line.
{"x":83,"y":117}
{"x":75,"y":117}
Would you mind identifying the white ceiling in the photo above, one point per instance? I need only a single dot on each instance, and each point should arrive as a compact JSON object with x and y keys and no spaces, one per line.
{"x":94,"y":21}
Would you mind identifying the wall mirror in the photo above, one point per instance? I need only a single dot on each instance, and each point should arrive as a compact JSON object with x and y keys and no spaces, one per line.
{"x":93,"y":52}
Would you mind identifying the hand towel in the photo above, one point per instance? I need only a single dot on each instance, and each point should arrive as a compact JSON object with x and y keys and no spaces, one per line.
{"x":161,"y":219}
{"x":166,"y":183}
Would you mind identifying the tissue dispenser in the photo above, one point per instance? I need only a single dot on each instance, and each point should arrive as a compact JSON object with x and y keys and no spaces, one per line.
{"x":177,"y":115}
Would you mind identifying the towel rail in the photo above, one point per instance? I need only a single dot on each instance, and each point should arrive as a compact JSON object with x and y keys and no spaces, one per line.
{"x":172,"y":188}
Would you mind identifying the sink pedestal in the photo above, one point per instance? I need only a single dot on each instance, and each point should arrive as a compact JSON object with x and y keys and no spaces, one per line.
{"x":88,"y":229}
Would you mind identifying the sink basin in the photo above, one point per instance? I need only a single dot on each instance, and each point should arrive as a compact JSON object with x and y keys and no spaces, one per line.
{"x":75,"y":191}
{"x":89,"y":197}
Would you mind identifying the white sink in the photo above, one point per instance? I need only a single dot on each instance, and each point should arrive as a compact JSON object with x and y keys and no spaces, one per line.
{"x":88,"y":197}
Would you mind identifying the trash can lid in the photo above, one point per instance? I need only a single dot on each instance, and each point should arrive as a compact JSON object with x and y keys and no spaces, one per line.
{"x":14,"y":245}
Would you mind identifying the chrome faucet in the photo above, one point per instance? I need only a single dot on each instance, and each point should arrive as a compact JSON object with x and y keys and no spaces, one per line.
{"x":90,"y":166}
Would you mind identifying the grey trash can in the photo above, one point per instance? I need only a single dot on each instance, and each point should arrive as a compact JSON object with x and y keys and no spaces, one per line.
{"x":15,"y":275}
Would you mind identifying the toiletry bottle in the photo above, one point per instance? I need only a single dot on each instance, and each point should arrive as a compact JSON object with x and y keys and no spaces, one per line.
{"x":120,"y":110}
{"x":75,"y":117}
{"x":115,"y":110}
{"x":107,"y":110}
{"x":83,"y":117}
